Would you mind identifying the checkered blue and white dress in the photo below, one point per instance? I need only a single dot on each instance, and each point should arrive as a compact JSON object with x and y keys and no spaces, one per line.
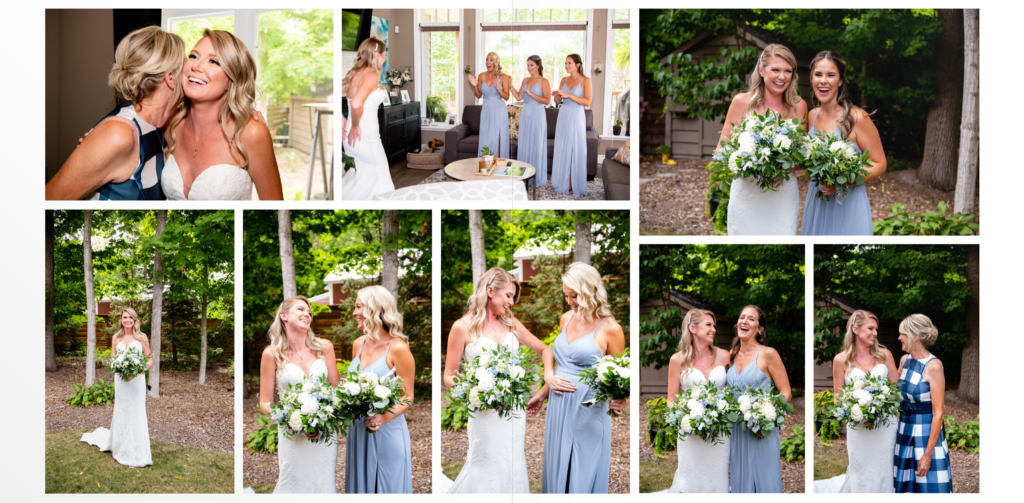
{"x":912,"y":437}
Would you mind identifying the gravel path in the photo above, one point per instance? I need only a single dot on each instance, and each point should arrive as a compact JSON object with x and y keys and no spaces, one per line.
{"x":186,"y":412}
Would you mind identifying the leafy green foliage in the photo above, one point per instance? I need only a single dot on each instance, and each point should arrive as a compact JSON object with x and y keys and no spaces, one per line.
{"x":792,"y":447}
{"x":686,"y":85}
{"x":963,"y":436}
{"x":928,"y":223}
{"x":455,"y":415}
{"x":100,"y":393}
{"x":657,"y":408}
{"x":664,"y":150}
{"x":296,"y":52}
{"x":436,"y":108}
{"x":719,"y":187}
{"x":264,"y":438}
{"x":824,"y":403}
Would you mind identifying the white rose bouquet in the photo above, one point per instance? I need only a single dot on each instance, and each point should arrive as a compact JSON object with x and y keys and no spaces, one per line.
{"x":129,"y":363}
{"x":764,"y":147}
{"x":366,"y":394}
{"x":310,"y":407}
{"x":499,"y":379}
{"x":609,"y":378}
{"x":762,"y":411}
{"x":398,"y":77}
{"x":833,"y":161}
{"x":705,"y":411}
{"x":870,"y":400}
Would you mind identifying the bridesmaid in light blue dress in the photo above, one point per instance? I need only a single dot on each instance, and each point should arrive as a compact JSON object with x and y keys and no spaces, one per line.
{"x":380,"y":462}
{"x":535,"y":92}
{"x":494,"y":87}
{"x":753,"y":461}
{"x":852,"y":217}
{"x":569,"y":165}
{"x":577,"y":440}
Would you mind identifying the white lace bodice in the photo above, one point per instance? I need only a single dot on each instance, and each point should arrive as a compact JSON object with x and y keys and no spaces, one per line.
{"x":220,"y":182}
{"x":878,"y":370}
{"x":122,"y":347}
{"x":687,"y":380}
{"x":476,"y":348}
{"x":292,"y":373}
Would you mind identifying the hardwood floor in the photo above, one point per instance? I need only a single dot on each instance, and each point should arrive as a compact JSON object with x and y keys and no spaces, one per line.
{"x":404,"y":177}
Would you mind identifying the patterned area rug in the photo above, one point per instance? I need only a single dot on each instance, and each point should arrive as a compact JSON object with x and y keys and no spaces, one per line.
{"x":595,"y":189}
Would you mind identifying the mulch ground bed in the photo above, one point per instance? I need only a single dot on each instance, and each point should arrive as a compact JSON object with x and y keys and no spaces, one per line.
{"x":454,"y":445}
{"x":186,"y":413}
{"x":673,"y":201}
{"x":792,"y":472}
{"x":261,"y":469}
{"x":965,"y":465}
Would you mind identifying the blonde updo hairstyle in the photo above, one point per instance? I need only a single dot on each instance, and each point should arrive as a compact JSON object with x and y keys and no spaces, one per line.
{"x":693,"y":318}
{"x":279,"y":338}
{"x":136,"y":328}
{"x":858,"y":319}
{"x":920,"y":328}
{"x":380,"y":312}
{"x":240,"y":68}
{"x":757,"y":87}
{"x":496,"y":279}
{"x":141,"y":61}
{"x":366,"y":57}
{"x":591,"y":297}
{"x":497,"y":63}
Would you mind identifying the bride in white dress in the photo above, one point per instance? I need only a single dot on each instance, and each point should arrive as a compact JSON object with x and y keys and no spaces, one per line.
{"x":218,"y":149}
{"x":703,"y":467}
{"x":496,"y":460}
{"x":372,"y":173}
{"x":772,"y":86}
{"x":870,"y":469}
{"x":295,"y":352}
{"x":128,"y":436}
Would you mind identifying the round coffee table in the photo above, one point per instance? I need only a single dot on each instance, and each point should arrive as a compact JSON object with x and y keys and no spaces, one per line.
{"x":468,"y":169}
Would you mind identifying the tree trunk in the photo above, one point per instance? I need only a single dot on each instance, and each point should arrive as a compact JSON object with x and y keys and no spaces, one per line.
{"x":90,"y":302}
{"x":476,"y":242}
{"x":284,"y":236}
{"x":51,"y":357}
{"x":967,"y":173}
{"x":389,"y":272}
{"x":157,"y":326}
{"x":938,"y":168}
{"x":583,"y":237}
{"x":202,"y":342}
{"x":970,"y":364}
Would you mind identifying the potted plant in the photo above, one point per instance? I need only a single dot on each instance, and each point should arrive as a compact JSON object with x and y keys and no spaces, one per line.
{"x":617,"y":128}
{"x":486,"y":159}
{"x":665,"y":152}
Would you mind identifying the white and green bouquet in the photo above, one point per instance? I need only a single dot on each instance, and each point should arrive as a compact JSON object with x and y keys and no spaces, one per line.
{"x":870,"y":400}
{"x":764,"y":147}
{"x":831,"y":160}
{"x":762,"y":411}
{"x":705,"y":411}
{"x":499,"y":379}
{"x":310,"y":407}
{"x":129,"y":363}
{"x":609,"y":378}
{"x":366,"y":394}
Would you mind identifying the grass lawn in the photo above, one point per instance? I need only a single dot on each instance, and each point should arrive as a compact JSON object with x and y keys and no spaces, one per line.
{"x":73,"y":466}
{"x":263,"y":488}
{"x":451,"y":470}
{"x":656,"y":475}
{"x":829,"y":461}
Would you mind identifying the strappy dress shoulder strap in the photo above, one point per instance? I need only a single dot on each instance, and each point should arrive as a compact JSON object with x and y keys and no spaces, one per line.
{"x":599,"y":324}
{"x":815,"y":119}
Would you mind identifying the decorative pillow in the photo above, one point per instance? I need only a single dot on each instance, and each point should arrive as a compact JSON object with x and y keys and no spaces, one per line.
{"x":513,"y":121}
{"x":622,"y":155}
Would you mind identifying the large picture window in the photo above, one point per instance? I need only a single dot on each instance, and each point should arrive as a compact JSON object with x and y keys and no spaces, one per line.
{"x":619,"y":67}
{"x":439,"y":54}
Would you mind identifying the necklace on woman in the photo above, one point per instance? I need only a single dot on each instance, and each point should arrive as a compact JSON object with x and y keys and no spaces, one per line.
{"x":193,"y":126}
{"x":698,"y":361}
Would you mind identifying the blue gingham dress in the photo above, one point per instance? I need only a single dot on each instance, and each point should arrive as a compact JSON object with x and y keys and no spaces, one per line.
{"x":912,"y":435}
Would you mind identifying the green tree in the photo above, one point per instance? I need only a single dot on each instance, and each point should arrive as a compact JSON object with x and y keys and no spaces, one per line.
{"x":296,"y":52}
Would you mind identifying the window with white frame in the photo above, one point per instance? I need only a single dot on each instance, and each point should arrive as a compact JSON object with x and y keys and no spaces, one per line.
{"x":619,"y":70}
{"x":439,"y":58}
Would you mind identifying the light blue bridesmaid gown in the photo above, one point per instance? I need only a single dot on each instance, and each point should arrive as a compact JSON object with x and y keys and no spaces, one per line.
{"x":380,"y":462}
{"x":570,"y":145}
{"x":577,"y":440}
{"x":830,"y":218}
{"x":533,"y":135}
{"x":754,"y":462}
{"x":493,"y":121}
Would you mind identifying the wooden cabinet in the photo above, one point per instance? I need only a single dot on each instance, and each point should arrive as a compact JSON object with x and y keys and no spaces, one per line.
{"x":399,"y":128}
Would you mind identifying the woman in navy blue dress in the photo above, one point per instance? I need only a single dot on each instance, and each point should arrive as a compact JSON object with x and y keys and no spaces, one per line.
{"x":921,"y":457}
{"x":535,"y":92}
{"x":836,"y":113}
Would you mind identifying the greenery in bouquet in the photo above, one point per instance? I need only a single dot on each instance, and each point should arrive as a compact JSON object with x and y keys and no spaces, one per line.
{"x":366,"y":394}
{"x":129,"y":363}
{"x":310,"y":407}
{"x":871,"y":400}
{"x":762,"y":411}
{"x":833,"y":161}
{"x":609,"y":378}
{"x":499,"y":379}
{"x":704,"y":411}
{"x":763,"y":147}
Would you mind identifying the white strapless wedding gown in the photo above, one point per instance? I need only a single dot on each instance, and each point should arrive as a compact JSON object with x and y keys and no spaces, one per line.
{"x":703,"y":467}
{"x":128,"y":436}
{"x":220,"y":182}
{"x":303,"y":466}
{"x":871,"y":465}
{"x":496,"y":460}
{"x":372,"y":174}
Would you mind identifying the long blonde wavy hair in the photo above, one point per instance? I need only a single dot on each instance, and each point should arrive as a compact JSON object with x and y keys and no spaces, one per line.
{"x":495,"y":278}
{"x":380,"y":312}
{"x":497,"y":64}
{"x":919,"y":327}
{"x":141,"y":61}
{"x":136,"y":328}
{"x":857,"y":319}
{"x":366,"y":57}
{"x":591,"y":296}
{"x":693,"y":318}
{"x":279,"y":339}
{"x":240,"y":69}
{"x":756,"y":85}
